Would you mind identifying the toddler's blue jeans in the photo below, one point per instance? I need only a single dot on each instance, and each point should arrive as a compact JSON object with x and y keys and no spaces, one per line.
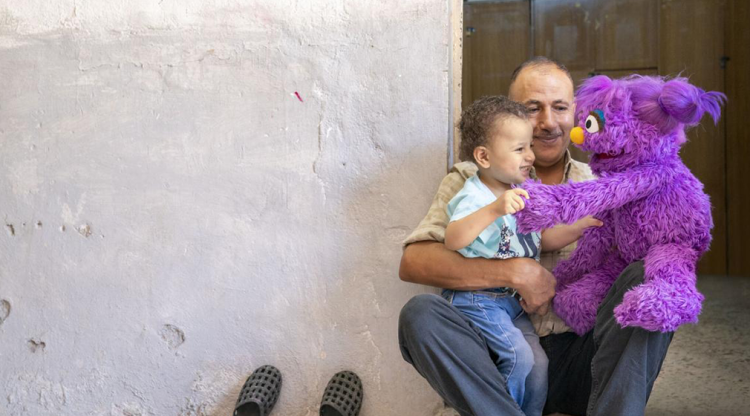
{"x":512,"y":343}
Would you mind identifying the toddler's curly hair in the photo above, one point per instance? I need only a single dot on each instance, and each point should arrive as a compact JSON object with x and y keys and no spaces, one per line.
{"x":477,"y":121}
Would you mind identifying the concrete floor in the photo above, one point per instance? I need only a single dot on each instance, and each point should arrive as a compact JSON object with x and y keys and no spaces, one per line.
{"x":707,"y":370}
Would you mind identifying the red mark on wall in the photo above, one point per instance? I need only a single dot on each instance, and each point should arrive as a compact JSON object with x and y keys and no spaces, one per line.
{"x":298,"y":97}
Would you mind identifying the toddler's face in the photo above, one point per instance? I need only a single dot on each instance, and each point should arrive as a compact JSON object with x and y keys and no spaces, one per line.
{"x":509,"y":152}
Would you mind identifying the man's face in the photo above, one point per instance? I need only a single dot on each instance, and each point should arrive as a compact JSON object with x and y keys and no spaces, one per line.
{"x":548,"y":95}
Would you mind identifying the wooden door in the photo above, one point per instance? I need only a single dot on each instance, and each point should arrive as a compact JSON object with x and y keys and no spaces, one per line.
{"x":496,"y":40}
{"x":564,"y":30}
{"x":627,"y":34}
{"x":692,"y":44}
{"x":738,"y":136}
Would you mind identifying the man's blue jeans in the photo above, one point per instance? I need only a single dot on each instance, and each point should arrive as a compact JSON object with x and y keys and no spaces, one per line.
{"x":608,"y":371}
{"x":512,"y":343}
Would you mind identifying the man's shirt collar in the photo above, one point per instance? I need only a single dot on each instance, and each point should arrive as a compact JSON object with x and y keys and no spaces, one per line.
{"x":566,"y":172}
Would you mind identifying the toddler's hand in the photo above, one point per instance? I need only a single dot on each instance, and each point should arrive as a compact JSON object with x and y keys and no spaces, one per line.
{"x":510,"y":202}
{"x":587,"y":222}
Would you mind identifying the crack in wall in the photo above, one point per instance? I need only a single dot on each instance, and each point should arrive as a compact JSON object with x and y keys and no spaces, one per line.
{"x":36,"y":345}
{"x":4,"y":310}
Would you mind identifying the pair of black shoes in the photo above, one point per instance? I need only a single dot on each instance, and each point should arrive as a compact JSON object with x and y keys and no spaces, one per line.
{"x":342,"y":397}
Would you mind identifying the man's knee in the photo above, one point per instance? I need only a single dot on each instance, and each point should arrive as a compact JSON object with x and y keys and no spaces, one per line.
{"x":420,"y":313}
{"x":417,"y":323}
{"x":632,"y":276}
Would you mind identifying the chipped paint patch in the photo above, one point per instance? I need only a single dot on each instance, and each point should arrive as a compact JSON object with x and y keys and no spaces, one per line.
{"x":172,"y":336}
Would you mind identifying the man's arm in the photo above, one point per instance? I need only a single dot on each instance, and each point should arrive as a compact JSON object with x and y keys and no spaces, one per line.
{"x":431,"y":263}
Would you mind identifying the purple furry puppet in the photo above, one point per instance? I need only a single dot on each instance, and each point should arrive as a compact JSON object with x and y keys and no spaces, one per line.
{"x":652,"y":207}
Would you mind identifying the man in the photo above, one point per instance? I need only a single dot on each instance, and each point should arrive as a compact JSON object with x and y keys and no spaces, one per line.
{"x":608,"y":371}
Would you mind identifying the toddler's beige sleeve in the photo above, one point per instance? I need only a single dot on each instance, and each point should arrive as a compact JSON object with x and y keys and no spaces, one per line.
{"x":432,"y":227}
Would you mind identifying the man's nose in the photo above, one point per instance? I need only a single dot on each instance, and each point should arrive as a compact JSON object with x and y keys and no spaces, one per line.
{"x":546,"y":120}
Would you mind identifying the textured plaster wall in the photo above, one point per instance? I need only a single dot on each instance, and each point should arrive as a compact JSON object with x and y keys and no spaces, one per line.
{"x":192,"y":189}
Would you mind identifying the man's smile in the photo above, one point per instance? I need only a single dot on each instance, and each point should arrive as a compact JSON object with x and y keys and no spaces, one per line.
{"x":548,"y":138}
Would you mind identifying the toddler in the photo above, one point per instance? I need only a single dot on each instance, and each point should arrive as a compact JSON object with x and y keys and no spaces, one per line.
{"x":497,"y":135}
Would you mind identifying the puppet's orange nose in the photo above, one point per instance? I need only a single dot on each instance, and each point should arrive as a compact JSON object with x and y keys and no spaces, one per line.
{"x":576,"y":135}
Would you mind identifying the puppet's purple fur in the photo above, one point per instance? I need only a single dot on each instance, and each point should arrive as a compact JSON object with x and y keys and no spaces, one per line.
{"x":652,"y":207}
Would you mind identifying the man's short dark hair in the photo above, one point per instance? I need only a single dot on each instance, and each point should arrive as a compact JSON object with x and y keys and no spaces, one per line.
{"x":538,"y":61}
{"x":477,"y":121}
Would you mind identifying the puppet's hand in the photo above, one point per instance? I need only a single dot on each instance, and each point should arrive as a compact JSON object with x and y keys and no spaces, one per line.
{"x":659,"y":306}
{"x":540,"y":210}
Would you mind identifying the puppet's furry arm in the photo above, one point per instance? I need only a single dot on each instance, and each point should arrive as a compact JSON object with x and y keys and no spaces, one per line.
{"x":549,"y":205}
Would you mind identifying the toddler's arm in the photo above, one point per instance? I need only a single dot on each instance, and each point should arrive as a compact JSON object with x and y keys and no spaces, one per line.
{"x":562,"y":235}
{"x":461,"y":233}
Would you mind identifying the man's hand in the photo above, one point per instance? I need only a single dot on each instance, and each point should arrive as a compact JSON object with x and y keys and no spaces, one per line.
{"x":537,"y":288}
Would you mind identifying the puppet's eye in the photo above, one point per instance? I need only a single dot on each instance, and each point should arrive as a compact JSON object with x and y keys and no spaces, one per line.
{"x":595,"y":121}
{"x":592,"y":124}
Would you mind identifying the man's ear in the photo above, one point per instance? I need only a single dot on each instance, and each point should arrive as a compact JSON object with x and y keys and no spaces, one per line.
{"x":481,"y":157}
